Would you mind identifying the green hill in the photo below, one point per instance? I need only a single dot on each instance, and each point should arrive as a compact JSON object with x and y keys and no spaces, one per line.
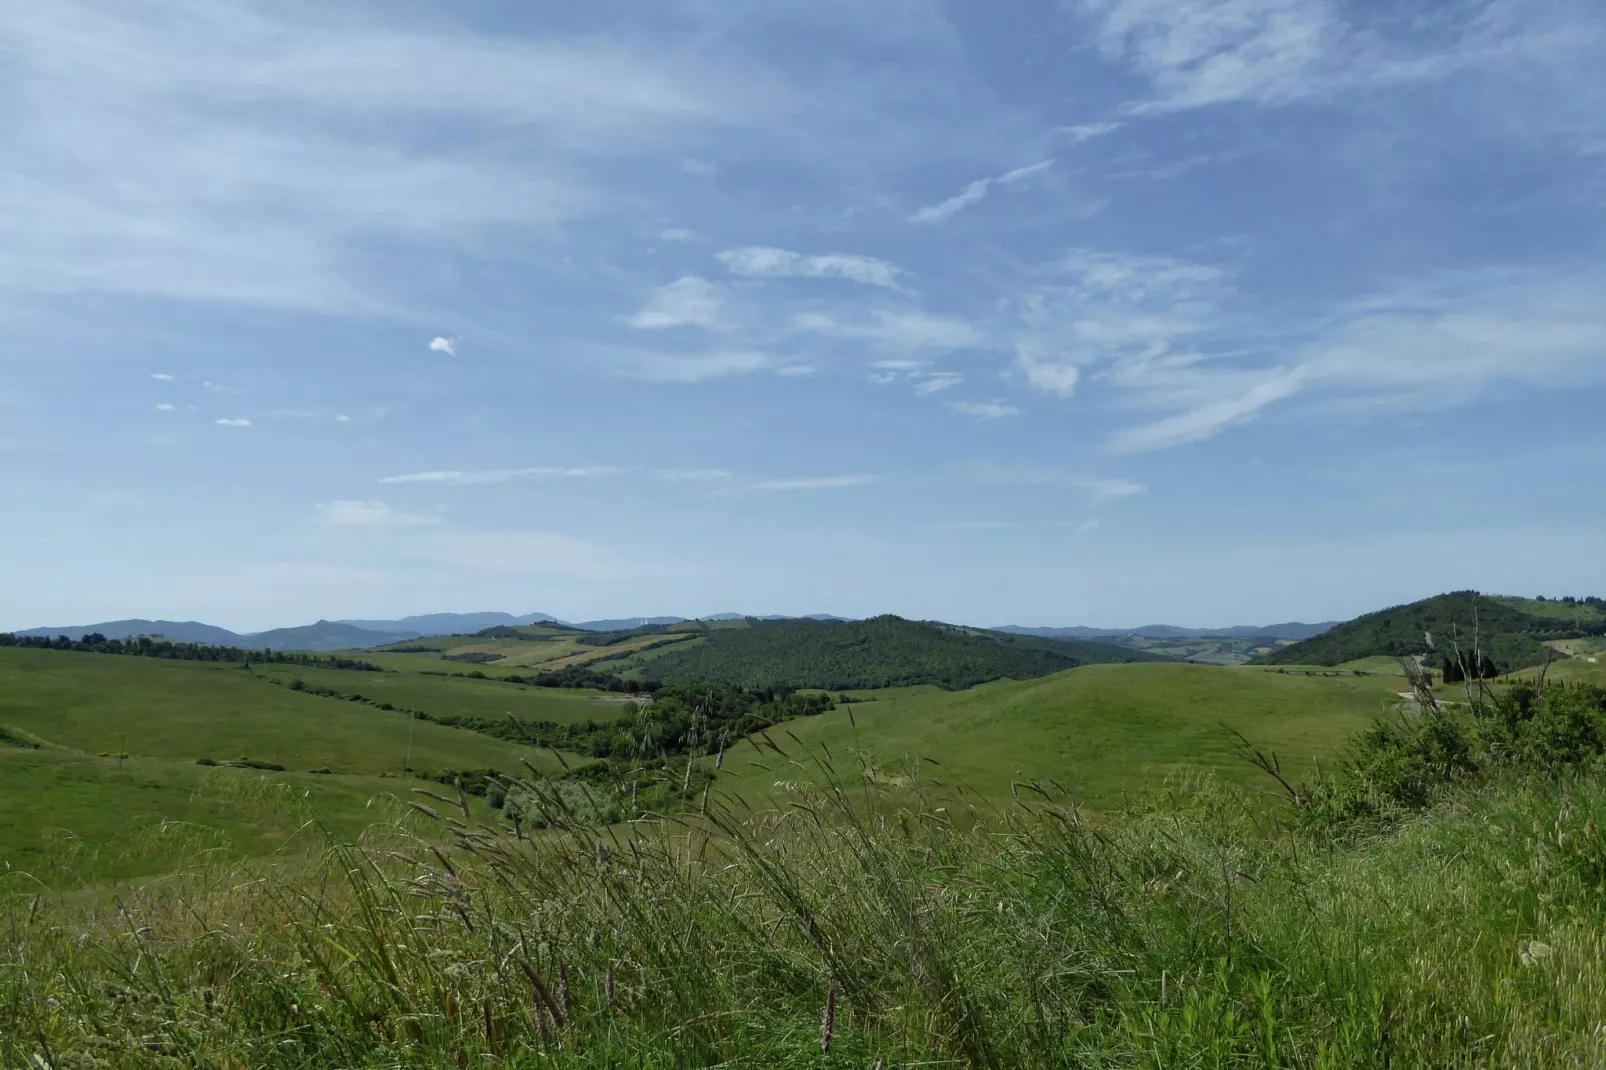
{"x":67,"y":719}
{"x":879,"y":652}
{"x":1109,"y":733}
{"x":1512,"y":631}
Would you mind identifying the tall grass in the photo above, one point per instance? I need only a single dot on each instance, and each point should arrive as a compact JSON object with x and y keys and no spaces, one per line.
{"x":857,"y":926}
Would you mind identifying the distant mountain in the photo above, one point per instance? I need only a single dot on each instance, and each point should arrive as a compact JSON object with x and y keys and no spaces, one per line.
{"x":187,"y":631}
{"x":449,"y":623}
{"x":324,"y":635}
{"x":770,"y":616}
{"x":879,"y":652}
{"x":1171,"y":631}
{"x":1511,"y":631}
{"x":626,"y":623}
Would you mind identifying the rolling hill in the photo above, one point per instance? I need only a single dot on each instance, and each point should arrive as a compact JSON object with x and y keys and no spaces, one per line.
{"x":187,"y":631}
{"x":1512,"y":631}
{"x":1109,"y":733}
{"x":1292,"y":630}
{"x":883,"y":651}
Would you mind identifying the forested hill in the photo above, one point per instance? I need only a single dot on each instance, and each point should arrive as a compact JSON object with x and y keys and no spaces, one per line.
{"x":1511,"y":631}
{"x":879,"y":652}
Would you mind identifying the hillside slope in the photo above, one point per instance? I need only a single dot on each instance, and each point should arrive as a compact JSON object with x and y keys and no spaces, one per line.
{"x":1108,"y":733}
{"x":879,"y":652}
{"x":1511,"y":631}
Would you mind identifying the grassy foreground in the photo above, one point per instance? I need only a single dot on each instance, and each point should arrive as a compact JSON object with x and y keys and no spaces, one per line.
{"x":857,"y":926}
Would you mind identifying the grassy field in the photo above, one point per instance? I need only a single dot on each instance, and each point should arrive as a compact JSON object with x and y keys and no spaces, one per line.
{"x":539,"y":649}
{"x":445,"y":696}
{"x":187,"y":710}
{"x":1107,"y":732}
{"x":75,"y":794}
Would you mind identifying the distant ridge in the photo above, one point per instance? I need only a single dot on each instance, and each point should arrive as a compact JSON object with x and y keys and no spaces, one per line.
{"x":1512,"y":632}
{"x":1293,"y":630}
{"x":450,"y":623}
{"x":186,"y":631}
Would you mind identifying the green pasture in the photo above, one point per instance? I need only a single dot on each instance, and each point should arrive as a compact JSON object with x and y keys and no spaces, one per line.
{"x":1108,"y":733}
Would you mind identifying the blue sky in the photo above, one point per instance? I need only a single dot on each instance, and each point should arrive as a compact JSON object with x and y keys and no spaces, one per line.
{"x":1100,"y":311}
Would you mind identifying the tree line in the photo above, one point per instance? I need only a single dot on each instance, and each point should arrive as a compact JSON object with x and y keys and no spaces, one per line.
{"x":144,"y":646}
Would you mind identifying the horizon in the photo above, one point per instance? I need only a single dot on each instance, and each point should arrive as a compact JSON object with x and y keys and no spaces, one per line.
{"x":1086,"y":310}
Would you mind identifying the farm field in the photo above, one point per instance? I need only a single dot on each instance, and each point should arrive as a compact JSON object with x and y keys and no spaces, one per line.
{"x":184,"y":711}
{"x":1108,"y":733}
{"x":464,"y":696}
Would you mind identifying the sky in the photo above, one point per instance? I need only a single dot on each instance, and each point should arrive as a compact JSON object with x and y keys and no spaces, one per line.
{"x":1101,"y":312}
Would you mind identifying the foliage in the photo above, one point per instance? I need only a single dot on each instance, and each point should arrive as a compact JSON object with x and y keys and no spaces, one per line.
{"x":1407,"y":763}
{"x":852,"y":927}
{"x":1512,"y":637}
{"x":881,"y":652}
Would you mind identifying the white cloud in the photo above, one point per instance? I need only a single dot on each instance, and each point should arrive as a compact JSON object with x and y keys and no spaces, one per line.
{"x":937,"y":382}
{"x":1199,"y":53}
{"x":1087,"y":526}
{"x":502,"y":475}
{"x":342,"y":418}
{"x":796,"y":371}
{"x":696,"y":475}
{"x":764,"y":262}
{"x":1087,"y":131}
{"x":233,"y":422}
{"x":816,"y":483}
{"x":897,"y":331}
{"x":977,"y":191}
{"x":1207,"y":420}
{"x":690,"y":301}
{"x":226,"y":164}
{"x":675,"y":234}
{"x":985,"y":410}
{"x":1114,"y":490}
{"x":690,"y":368}
{"x":444,"y":345}
{"x":370,"y":514}
{"x":162,"y":377}
{"x":899,"y":365}
{"x":164,"y":407}
{"x":1021,"y":174}
{"x":1058,"y":378}
{"x":974,"y":193}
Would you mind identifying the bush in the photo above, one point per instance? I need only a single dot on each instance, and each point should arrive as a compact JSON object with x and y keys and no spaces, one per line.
{"x":205,"y":761}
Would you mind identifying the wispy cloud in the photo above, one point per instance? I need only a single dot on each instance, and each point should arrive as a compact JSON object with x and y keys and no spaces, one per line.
{"x":816,"y":483}
{"x":696,"y":475}
{"x":502,"y":475}
{"x":690,"y":301}
{"x":977,"y":192}
{"x":675,"y":234}
{"x":764,"y":262}
{"x":233,"y":422}
{"x":997,"y":409}
{"x":370,"y":514}
{"x":164,"y":407}
{"x":222,"y":165}
{"x":1206,"y":420}
{"x":658,"y":367}
{"x":444,"y":345}
{"x":1114,"y":490}
{"x":937,"y":382}
{"x":162,"y":377}
{"x":974,"y":193}
{"x":1086,"y":131}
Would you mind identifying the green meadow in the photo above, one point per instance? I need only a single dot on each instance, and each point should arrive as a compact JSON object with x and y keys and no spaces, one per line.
{"x":1108,"y":733}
